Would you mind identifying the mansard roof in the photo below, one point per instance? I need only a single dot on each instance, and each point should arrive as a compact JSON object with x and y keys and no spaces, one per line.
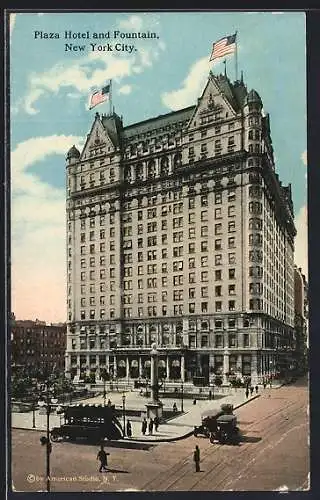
{"x":159,"y":122}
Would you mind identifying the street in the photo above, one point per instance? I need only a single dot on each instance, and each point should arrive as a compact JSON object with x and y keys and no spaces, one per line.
{"x":273,"y":455}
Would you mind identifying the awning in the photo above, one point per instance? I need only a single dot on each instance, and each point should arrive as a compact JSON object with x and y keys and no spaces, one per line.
{"x":147,"y":363}
{"x":161,"y":363}
{"x":134,"y":363}
{"x":121,"y":363}
{"x":175,"y":362}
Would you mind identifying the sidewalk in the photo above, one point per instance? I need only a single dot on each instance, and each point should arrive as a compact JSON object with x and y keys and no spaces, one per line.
{"x":176,"y":428}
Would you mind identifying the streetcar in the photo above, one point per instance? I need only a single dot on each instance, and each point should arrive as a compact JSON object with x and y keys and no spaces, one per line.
{"x":91,"y":422}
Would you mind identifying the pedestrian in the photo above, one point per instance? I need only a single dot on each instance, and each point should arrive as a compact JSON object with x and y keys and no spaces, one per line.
{"x":210,"y":395}
{"x":257,"y":388}
{"x":144,"y":426}
{"x":196,"y":458}
{"x":247,"y":392}
{"x":129,"y":429}
{"x":264,"y":384}
{"x":175,"y":409}
{"x":109,"y":402}
{"x":251,"y":390}
{"x":194,"y":401}
{"x":156,"y":422}
{"x":102,"y":456}
{"x":151,"y":426}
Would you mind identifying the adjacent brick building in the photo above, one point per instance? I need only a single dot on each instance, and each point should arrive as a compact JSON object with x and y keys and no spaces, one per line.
{"x":36,"y":345}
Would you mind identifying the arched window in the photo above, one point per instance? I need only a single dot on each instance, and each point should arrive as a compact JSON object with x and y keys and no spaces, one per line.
{"x":139,"y":172}
{"x":151,"y":170}
{"x":177,"y":161}
{"x":127,"y":174}
{"x":250,"y":135}
{"x":164,"y":166}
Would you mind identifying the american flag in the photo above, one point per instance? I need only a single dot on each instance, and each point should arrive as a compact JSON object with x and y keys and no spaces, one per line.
{"x":99,"y":96}
{"x":223,"y":47}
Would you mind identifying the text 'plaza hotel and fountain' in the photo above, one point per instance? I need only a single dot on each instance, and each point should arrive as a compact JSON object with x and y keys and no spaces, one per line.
{"x":180,"y":233}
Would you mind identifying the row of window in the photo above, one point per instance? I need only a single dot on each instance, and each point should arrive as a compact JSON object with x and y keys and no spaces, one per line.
{"x":151,"y":311}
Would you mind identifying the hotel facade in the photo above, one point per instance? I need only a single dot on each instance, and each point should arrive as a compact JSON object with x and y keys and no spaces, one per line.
{"x":180,"y":233}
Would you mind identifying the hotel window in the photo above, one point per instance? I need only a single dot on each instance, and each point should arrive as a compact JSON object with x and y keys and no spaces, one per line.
{"x":204,"y":215}
{"x":192,"y":293}
{"x":218,"y":244}
{"x":204,"y":231}
{"x":204,"y":291}
{"x":178,"y":280}
{"x":203,"y":148}
{"x":218,"y":198}
{"x":112,"y":232}
{"x":164,"y":267}
{"x":218,"y":291}
{"x":140,"y":284}
{"x":218,"y":259}
{"x":204,"y":200}
{"x":218,"y":213}
{"x":112,"y":259}
{"x":83,"y":302}
{"x":83,"y":263}
{"x":164,"y":296}
{"x":178,"y":265}
{"x":191,"y":151}
{"x":83,"y":237}
{"x":178,"y":251}
{"x":140,"y":214}
{"x":232,"y":305}
{"x":204,"y":261}
{"x":164,"y":253}
{"x":218,"y":228}
{"x":231,"y":211}
{"x":231,"y":195}
{"x":192,"y":277}
{"x":204,"y":307}
{"x":191,"y":202}
{"x":231,"y":226}
{"x":192,"y":247}
{"x":232,"y":341}
{"x":204,"y":276}
{"x":177,"y":309}
{"x":83,"y":276}
{"x":192,"y":307}
{"x":232,"y":258}
{"x":218,"y":306}
{"x":164,"y":281}
{"x":192,"y":216}
{"x":204,"y":246}
{"x":231,"y":242}
{"x":192,"y":232}
{"x":232,"y":273}
{"x":164,"y":225}
{"x":218,"y":275}
{"x":232,"y":289}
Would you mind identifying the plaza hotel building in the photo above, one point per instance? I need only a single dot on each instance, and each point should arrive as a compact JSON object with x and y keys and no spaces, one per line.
{"x":180,"y":233}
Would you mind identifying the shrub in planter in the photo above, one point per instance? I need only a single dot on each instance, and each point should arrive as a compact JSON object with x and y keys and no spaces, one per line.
{"x":218,"y":381}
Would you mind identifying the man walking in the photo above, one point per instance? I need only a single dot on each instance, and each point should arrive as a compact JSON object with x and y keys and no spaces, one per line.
{"x":144,"y":426}
{"x":156,"y":423}
{"x":196,"y":458}
{"x":150,"y":426}
{"x":102,"y":456}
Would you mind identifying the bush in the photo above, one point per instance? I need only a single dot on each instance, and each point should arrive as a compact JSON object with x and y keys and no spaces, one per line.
{"x":218,"y":381}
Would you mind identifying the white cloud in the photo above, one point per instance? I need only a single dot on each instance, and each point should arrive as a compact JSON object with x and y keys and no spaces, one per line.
{"x":134,"y":23}
{"x":191,"y":87}
{"x":126,"y":89}
{"x":38,"y":231}
{"x":301,"y":242}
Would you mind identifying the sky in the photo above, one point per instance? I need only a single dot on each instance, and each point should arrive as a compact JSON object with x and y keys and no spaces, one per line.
{"x":49,"y":91}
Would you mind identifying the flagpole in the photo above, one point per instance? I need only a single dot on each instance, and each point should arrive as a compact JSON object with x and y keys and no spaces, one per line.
{"x":236,"y":56}
{"x":110,"y":100}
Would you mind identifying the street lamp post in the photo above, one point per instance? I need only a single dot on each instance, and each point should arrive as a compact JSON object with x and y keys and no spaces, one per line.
{"x":124,"y":413}
{"x":34,"y":415}
{"x":47,"y":403}
{"x":182,"y":397}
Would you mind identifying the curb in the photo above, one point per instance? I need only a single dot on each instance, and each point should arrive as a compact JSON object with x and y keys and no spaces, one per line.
{"x":161,"y":440}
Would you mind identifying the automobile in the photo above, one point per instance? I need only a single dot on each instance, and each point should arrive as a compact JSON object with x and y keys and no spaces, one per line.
{"x":92,"y":422}
{"x":208,"y":423}
{"x":227,"y":431}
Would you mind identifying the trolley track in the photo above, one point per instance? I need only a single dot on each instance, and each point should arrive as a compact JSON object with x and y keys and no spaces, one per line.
{"x":246,"y":452}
